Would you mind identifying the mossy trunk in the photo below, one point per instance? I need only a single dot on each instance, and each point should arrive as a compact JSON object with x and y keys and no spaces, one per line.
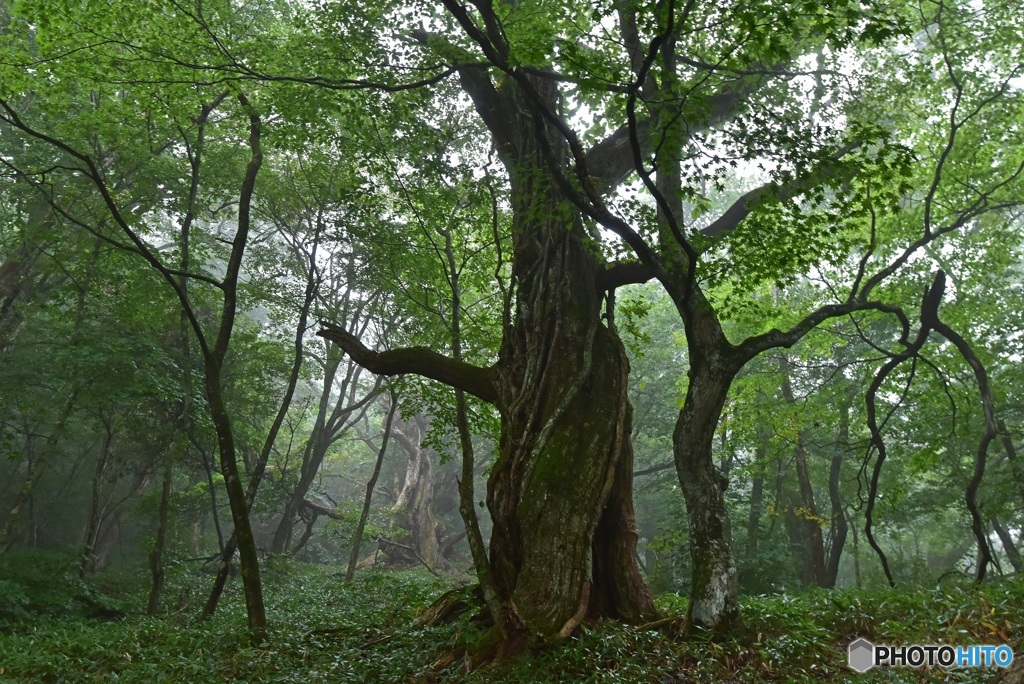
{"x":564,"y":468}
{"x":564,"y":459}
{"x":563,"y":473}
{"x":714,"y":594}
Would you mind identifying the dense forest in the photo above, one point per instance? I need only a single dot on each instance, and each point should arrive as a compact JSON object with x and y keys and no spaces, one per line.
{"x":515,"y":341}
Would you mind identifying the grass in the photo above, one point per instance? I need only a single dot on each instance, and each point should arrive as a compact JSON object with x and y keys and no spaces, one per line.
{"x":325,"y":630}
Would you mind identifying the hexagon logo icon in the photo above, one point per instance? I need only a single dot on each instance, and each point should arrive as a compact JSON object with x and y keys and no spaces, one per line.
{"x":861,"y":655}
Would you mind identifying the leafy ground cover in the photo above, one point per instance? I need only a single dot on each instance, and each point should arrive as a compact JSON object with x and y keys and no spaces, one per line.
{"x":328,"y":631}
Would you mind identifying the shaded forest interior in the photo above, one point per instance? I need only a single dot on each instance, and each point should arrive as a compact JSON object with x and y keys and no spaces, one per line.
{"x":648,"y":317}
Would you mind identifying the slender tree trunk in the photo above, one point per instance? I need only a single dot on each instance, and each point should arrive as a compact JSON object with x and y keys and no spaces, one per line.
{"x":312,"y":456}
{"x":466,"y":485}
{"x":728,"y":454}
{"x":714,"y":588}
{"x":223,"y":571}
{"x":1009,"y":547}
{"x":814,"y":571}
{"x":357,"y":536}
{"x":714,"y":597}
{"x":856,"y":553}
{"x":756,"y":495}
{"x":248,"y":559}
{"x":331,"y":425}
{"x":838,"y":528}
{"x":156,"y":555}
{"x":301,"y":544}
{"x":814,"y":562}
{"x":87,"y":563}
{"x":467,"y":508}
{"x":211,"y":486}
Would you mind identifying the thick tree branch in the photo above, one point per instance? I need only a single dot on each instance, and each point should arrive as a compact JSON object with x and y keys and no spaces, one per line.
{"x":774,"y":338}
{"x":989,"y":433}
{"x":611,"y":160}
{"x":419,"y":360}
{"x":624,"y":273}
{"x":320,"y":509}
{"x":742,"y":207}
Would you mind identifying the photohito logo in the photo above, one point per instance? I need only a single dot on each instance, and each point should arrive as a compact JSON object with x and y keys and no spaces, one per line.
{"x":864,"y":655}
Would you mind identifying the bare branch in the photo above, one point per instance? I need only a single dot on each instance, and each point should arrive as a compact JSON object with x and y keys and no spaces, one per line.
{"x":989,"y":433}
{"x":419,"y":360}
{"x":774,"y":338}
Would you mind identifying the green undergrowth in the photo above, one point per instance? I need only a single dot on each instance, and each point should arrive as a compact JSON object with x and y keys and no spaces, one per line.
{"x":324,"y":630}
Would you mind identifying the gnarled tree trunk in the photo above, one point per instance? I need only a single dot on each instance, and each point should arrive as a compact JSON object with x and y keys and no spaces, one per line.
{"x":565,"y":461}
{"x":414,"y":508}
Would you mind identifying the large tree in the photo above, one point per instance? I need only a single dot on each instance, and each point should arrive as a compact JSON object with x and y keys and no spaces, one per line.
{"x":670,"y":98}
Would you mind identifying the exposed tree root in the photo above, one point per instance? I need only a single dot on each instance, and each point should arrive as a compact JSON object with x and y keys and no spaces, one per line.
{"x":452,"y":604}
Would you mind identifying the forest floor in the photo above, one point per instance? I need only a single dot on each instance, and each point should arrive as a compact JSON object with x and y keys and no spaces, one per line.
{"x":324,"y":630}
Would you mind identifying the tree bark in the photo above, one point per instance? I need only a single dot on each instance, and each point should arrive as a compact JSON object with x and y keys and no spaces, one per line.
{"x":714,"y":595}
{"x":357,"y":536}
{"x":156,"y":555}
{"x":838,"y":528}
{"x":565,"y":433}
